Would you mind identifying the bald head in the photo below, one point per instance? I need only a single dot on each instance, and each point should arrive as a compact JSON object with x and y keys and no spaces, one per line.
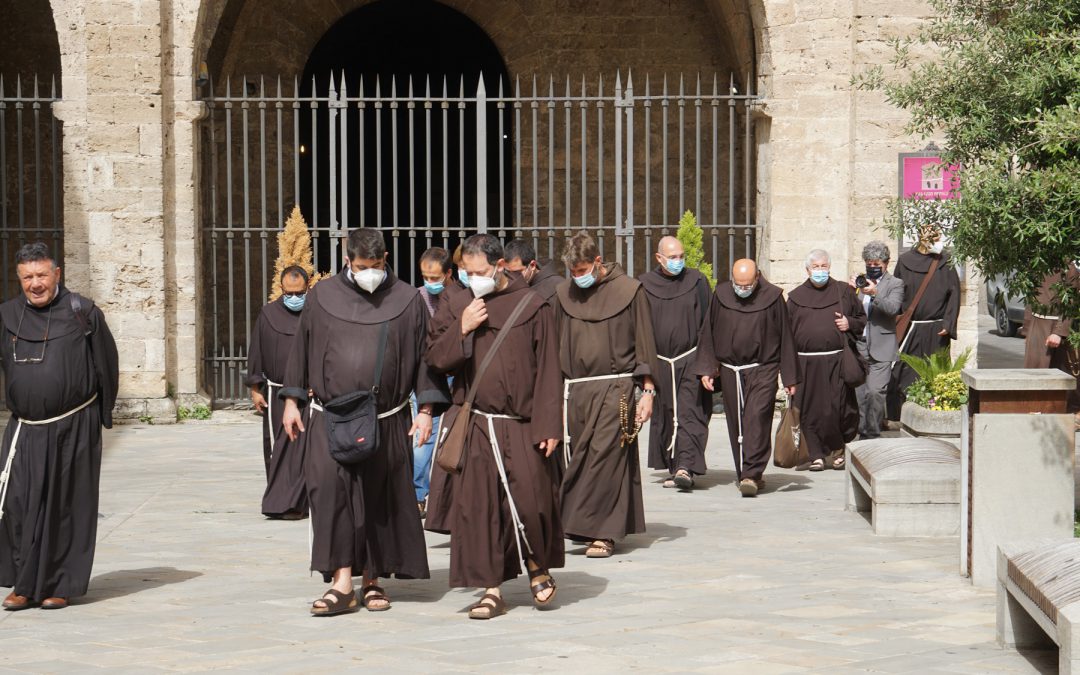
{"x":744,"y":272}
{"x":670,"y":255}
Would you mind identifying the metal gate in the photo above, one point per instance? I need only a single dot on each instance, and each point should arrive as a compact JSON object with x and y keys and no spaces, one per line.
{"x":538,"y":159}
{"x":31,"y":174}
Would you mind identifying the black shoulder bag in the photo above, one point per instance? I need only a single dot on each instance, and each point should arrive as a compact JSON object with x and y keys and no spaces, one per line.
{"x":853,"y":367}
{"x":352,"y":420}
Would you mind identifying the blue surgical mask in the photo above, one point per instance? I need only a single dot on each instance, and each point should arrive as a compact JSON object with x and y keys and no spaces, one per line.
{"x":819,"y":277}
{"x":463,"y":277}
{"x":434,"y":288}
{"x":674,"y":266}
{"x":743,"y":293}
{"x":294,"y":303}
{"x":586,"y":280}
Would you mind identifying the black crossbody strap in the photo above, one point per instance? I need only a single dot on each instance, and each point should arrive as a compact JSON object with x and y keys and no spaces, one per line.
{"x":383,"y":333}
{"x":495,"y":347}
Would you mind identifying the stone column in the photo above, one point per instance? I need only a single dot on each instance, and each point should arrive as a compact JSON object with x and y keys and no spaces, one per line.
{"x":113,"y":197}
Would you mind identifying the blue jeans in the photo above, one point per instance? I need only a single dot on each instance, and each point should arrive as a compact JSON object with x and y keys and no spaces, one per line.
{"x":422,"y":460}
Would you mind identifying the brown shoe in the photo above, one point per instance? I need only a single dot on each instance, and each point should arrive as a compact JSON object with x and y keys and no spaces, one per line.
{"x":54,"y":603}
{"x":748,"y":487}
{"x":14,"y":603}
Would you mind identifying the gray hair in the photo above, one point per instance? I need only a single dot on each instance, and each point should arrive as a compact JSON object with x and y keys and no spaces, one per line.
{"x":876,"y":250}
{"x":818,"y":254}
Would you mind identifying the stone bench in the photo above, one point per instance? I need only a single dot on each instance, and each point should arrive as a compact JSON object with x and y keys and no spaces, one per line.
{"x":910,"y":486}
{"x":1038,"y":597}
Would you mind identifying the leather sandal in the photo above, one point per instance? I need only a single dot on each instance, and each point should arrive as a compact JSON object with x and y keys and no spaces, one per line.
{"x":376,"y":593}
{"x":683,"y":479}
{"x":484,"y":610}
{"x":817,"y":465}
{"x":337,"y":603}
{"x":540,"y":581}
{"x":600,"y":548}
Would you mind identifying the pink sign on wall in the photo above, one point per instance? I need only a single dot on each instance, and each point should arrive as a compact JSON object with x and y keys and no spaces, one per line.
{"x":927,"y":178}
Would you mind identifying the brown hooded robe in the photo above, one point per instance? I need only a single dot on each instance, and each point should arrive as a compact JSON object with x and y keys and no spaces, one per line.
{"x":940,"y":304}
{"x":603,"y":330}
{"x":271,"y":344}
{"x":738,"y":333}
{"x":828,"y":407}
{"x":679,"y":306}
{"x":523,"y":381}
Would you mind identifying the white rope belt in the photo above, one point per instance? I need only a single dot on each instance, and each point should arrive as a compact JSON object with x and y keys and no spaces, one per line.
{"x":270,"y":384}
{"x":739,"y":390}
{"x":6,"y":474}
{"x":674,"y":397}
{"x":835,"y":351}
{"x":1048,"y":318}
{"x":566,"y":399}
{"x":519,"y":526}
{"x":383,"y":415}
{"x":910,"y":331}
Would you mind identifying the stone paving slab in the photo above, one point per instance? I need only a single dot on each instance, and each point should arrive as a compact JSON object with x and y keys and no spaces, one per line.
{"x":190,"y":577}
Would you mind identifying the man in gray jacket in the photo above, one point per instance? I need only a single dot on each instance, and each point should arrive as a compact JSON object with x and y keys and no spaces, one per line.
{"x":882,"y":298}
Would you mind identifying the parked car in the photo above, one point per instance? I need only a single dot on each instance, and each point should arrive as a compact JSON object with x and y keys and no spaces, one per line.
{"x":1007,"y":310}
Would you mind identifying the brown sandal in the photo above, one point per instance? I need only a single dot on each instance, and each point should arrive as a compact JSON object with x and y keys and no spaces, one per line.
{"x":375,"y":593}
{"x":540,"y":581}
{"x":487,"y":610}
{"x":600,"y":548}
{"x":337,"y":603}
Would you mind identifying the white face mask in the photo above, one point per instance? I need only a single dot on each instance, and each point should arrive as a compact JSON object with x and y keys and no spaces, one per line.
{"x":937,"y":247}
{"x":369,"y":279}
{"x":481,"y":285}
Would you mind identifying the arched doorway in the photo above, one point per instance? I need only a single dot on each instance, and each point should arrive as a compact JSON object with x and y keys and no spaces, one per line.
{"x":401,"y":165}
{"x":622,"y":156}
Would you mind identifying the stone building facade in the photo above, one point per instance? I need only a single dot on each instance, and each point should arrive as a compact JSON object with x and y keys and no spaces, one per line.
{"x":824,"y":154}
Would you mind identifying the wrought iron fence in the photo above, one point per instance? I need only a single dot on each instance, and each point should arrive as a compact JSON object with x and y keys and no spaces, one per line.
{"x":31,"y":173}
{"x":428,"y":164}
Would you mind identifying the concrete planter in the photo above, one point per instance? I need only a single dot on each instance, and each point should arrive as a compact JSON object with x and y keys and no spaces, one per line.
{"x":919,"y":421}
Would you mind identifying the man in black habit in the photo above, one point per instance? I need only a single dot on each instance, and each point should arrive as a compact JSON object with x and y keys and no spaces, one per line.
{"x":364,"y":515}
{"x":747,"y":343}
{"x":62,"y":373}
{"x":271,"y":344}
{"x":934,"y":319}
{"x":679,"y":303}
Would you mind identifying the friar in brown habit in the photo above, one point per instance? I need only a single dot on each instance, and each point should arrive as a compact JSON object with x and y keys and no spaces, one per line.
{"x":1046,"y":332}
{"x":679,"y":429}
{"x":542,"y":275}
{"x":505,"y":503}
{"x":364,"y":516}
{"x":606,"y":348}
{"x":271,"y":344}
{"x":61,"y":371}
{"x":746,"y":342}
{"x":933,"y":325}
{"x":823,"y":312}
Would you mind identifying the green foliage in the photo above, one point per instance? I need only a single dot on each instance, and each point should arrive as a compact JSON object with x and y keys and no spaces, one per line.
{"x":1000,"y":82}
{"x":691,"y":236}
{"x":198,"y":412}
{"x":939,"y":386}
{"x":146,"y":419}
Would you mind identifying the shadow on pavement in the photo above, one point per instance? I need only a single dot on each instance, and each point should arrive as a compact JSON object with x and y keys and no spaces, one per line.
{"x":125,"y":582}
{"x":654,"y":532}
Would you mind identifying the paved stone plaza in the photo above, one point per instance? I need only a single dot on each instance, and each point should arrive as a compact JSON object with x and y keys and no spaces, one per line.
{"x":189,"y":576}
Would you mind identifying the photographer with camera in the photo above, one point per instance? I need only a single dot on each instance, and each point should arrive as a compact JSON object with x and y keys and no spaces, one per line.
{"x":882,"y":297}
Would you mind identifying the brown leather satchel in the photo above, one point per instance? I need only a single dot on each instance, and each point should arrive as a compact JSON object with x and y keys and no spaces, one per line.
{"x":454,"y":425}
{"x":903,"y":322}
{"x":789,"y":447}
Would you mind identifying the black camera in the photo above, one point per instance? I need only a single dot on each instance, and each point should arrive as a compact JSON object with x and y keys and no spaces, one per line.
{"x":861,"y":281}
